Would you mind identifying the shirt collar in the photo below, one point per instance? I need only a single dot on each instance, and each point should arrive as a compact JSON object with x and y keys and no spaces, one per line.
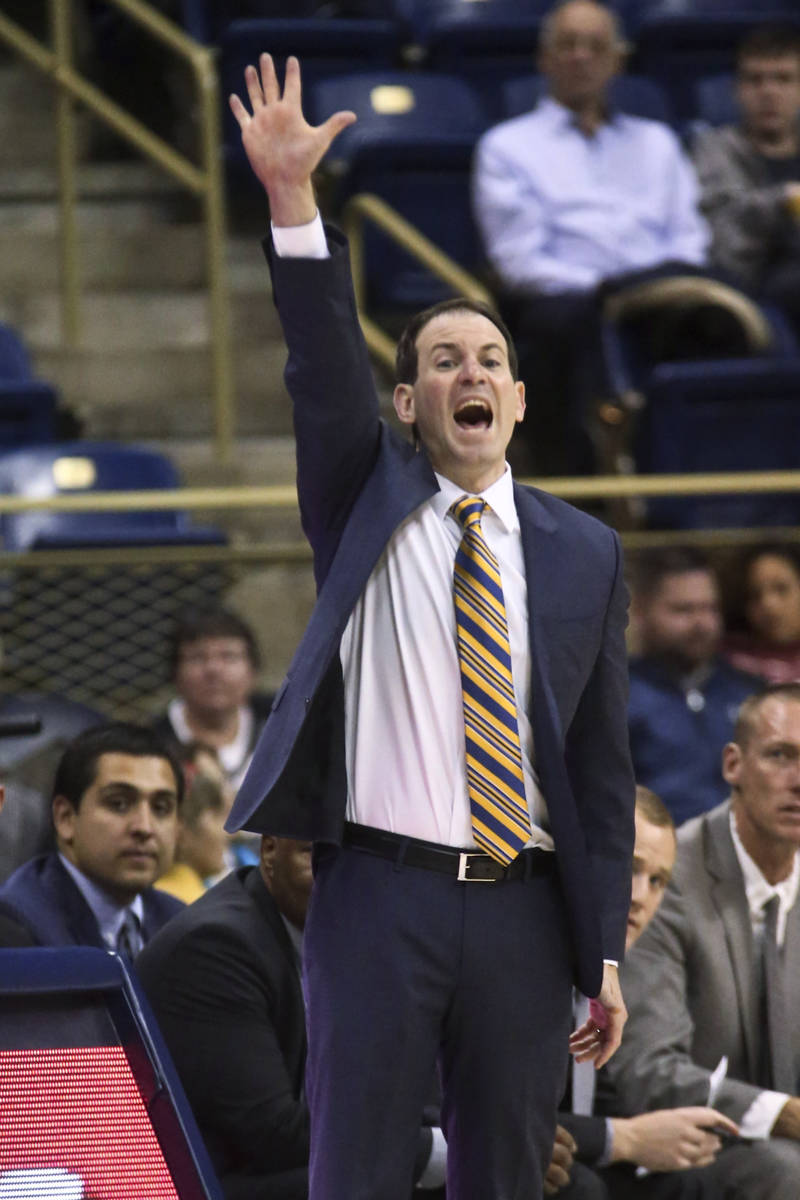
{"x":499,"y":496}
{"x":562,"y":116}
{"x":108,"y":913}
{"x":757,"y":889}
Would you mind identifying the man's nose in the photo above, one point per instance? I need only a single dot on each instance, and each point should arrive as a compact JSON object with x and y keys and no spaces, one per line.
{"x":471,"y":367}
{"x":142,"y":819}
{"x":638,"y":890}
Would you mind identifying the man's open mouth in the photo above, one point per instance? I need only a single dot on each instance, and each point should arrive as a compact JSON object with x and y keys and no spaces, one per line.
{"x":473,"y":414}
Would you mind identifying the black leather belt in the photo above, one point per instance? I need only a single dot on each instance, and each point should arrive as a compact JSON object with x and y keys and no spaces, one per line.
{"x":468,"y":866}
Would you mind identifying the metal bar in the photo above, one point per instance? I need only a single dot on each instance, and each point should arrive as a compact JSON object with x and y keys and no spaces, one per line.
{"x":61,"y":27}
{"x":219,"y":309}
{"x":207,"y":183}
{"x":285,"y":495}
{"x":279,"y":553}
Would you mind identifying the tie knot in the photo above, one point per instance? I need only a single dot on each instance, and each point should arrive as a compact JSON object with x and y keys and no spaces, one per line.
{"x":468,"y":511}
{"x":771,"y":910}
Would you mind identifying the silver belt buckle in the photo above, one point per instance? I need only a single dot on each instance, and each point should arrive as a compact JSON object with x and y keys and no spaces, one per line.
{"x":463,"y":863}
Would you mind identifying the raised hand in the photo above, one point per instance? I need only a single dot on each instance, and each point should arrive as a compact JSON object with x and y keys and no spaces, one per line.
{"x":282,"y":148}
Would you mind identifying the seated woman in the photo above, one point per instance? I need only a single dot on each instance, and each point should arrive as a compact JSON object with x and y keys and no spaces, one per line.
{"x":765,"y":629}
{"x":202,"y":846}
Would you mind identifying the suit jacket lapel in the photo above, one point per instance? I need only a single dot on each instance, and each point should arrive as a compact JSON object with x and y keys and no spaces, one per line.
{"x":729,"y":897}
{"x":791,"y":966}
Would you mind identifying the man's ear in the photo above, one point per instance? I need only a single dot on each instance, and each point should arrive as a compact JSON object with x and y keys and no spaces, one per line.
{"x":519,"y":387}
{"x":64,"y":819}
{"x":266,"y":857}
{"x":731,"y":763}
{"x":404,"y":406}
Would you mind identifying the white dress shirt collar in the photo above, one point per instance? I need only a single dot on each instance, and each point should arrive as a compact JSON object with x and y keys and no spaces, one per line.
{"x":759,"y":891}
{"x":499,"y":496}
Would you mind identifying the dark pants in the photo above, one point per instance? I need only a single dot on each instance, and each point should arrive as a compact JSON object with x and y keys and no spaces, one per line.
{"x":404,"y":965}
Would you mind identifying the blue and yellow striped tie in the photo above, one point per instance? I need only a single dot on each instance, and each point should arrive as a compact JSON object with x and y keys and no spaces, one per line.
{"x":500,"y":821}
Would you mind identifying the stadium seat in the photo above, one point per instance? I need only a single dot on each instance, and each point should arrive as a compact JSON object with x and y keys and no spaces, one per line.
{"x":677,"y":42}
{"x":484,"y":42}
{"x":715,"y":100}
{"x":631,"y":94}
{"x":412,"y":146}
{"x":74,"y":468}
{"x":27,"y":404}
{"x":729,"y":415}
{"x":326,"y":47}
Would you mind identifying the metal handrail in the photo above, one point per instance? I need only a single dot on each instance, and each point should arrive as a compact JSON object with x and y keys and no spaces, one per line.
{"x":205,"y":181}
{"x":598,"y":487}
{"x":366,"y":207}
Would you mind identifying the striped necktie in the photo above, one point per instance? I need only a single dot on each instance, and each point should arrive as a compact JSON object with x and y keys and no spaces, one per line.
{"x":500,"y":821}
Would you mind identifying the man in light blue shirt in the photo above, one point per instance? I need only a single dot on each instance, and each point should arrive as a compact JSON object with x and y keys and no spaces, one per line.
{"x":573,"y":195}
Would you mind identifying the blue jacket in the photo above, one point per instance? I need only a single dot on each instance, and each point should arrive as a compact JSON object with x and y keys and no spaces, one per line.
{"x":677,"y":748}
{"x":40,"y":905}
{"x":357,"y":482}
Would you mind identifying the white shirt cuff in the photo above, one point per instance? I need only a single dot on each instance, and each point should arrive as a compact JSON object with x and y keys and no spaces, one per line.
{"x":435,"y":1173}
{"x":762,"y":1114}
{"x":300,"y":241}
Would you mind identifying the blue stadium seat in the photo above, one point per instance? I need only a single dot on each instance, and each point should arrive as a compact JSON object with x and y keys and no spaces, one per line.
{"x":715,"y":100}
{"x":325,"y":46}
{"x":74,"y":468}
{"x":729,"y":415}
{"x":677,"y":42}
{"x":629,"y":93}
{"x":483,"y":42}
{"x":27,"y":404}
{"x":412,"y":146}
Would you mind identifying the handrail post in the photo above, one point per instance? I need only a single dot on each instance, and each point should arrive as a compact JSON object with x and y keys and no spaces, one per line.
{"x":216,"y":244}
{"x":61,"y":28}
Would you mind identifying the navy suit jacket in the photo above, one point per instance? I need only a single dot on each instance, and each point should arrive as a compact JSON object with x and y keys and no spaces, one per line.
{"x":40,"y":905}
{"x":357,"y":481}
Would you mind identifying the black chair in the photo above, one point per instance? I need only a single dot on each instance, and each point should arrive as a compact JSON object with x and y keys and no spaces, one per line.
{"x":412,"y":146}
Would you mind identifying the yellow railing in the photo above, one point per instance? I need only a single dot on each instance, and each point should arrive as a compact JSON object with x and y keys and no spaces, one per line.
{"x":230,"y":499}
{"x":205,"y":181}
{"x":368,"y":208}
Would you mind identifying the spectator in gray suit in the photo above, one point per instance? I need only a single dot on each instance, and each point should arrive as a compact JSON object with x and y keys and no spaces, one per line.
{"x":713,"y":985}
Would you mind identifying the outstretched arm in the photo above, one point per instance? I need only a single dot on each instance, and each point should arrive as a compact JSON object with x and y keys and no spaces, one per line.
{"x":282,"y":148}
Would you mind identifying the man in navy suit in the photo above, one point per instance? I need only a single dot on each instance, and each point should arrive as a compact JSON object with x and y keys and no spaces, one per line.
{"x":115,"y":810}
{"x":417,"y":945}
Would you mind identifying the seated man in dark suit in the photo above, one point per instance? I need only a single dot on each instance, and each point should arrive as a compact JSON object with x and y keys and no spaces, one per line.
{"x":116,"y":796}
{"x":674,"y":1144}
{"x":224,"y":980}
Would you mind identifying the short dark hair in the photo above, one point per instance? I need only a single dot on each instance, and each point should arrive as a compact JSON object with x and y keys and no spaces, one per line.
{"x":77,"y":769}
{"x":748,"y":709}
{"x":653,"y":808}
{"x":211,"y":623}
{"x":406,"y":358}
{"x":653,"y":566}
{"x":769,"y":41}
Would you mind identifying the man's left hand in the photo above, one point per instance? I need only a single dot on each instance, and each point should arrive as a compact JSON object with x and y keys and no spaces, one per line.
{"x":599,"y":1037}
{"x":557,"y":1174}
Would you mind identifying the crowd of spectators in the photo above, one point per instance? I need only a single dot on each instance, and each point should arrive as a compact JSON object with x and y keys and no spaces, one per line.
{"x":112,"y":834}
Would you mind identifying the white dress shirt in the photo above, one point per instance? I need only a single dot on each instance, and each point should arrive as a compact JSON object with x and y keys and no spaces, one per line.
{"x":561,"y":210}
{"x":757,"y":1122}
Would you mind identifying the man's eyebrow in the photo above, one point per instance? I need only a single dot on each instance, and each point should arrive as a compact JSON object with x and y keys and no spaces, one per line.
{"x":455,"y":346}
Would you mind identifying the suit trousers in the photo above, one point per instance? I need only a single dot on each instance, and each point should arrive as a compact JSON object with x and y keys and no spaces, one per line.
{"x":404,"y":966}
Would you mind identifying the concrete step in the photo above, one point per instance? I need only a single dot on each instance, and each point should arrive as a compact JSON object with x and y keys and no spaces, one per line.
{"x":166,"y":391}
{"x":147,"y":318}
